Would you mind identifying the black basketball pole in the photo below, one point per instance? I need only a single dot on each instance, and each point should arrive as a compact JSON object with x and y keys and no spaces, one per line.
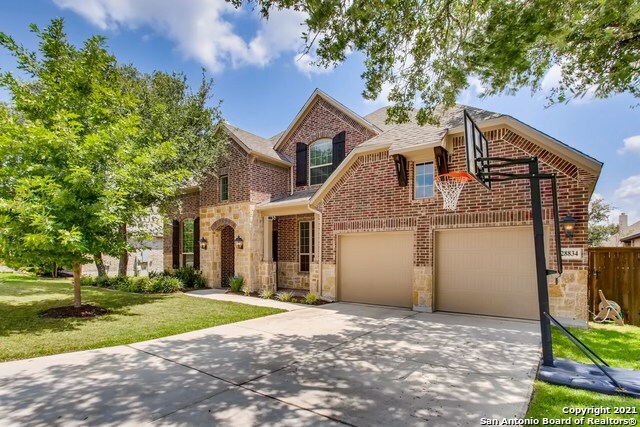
{"x":541,"y":262}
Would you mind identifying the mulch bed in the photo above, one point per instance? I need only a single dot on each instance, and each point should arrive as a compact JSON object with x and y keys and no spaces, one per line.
{"x":85,"y":310}
{"x":297,"y":300}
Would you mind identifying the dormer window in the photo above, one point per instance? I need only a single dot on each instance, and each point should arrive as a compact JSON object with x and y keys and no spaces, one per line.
{"x":320,"y":161}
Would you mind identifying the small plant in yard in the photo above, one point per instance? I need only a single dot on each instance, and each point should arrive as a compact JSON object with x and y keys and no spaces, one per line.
{"x":310,"y":298}
{"x":266,"y":294}
{"x":284,"y":296}
{"x":191,"y":277}
{"x":236,"y":283}
{"x":246,"y":291}
{"x":87,"y":281}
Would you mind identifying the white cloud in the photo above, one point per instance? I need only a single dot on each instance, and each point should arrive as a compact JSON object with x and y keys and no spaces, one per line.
{"x":552,"y":80}
{"x":201,"y":29}
{"x":305,"y":63}
{"x":631,"y":145}
{"x":383,"y":97}
{"x":629,"y":189}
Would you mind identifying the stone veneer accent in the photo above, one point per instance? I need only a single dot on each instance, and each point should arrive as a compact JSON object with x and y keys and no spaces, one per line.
{"x":568,"y":298}
{"x":267,"y":276}
{"x":423,"y":289}
{"x":248,"y":226}
{"x":290,"y":276}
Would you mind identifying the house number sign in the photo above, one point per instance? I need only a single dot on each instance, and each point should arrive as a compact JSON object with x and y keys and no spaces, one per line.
{"x":571,"y":253}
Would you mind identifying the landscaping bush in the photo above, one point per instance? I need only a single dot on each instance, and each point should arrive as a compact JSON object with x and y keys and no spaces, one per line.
{"x":102,"y":282}
{"x":236,"y":283}
{"x":190,"y":277}
{"x":138,"y":284}
{"x":87,"y":281}
{"x":119,"y":283}
{"x":246,"y":291}
{"x":284,"y":296}
{"x":310,"y":298}
{"x":165,"y":285}
{"x":266,"y":293}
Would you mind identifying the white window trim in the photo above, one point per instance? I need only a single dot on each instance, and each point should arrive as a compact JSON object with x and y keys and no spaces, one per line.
{"x":319,"y":166}
{"x":182,"y":253}
{"x":311,"y":245}
{"x":415,"y":181}
{"x":227,"y":177}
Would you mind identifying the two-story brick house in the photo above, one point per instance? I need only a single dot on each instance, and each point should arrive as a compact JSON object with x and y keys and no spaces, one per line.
{"x":321,"y":207}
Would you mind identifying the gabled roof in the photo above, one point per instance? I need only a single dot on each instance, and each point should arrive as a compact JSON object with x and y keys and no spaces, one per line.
{"x":256,"y":145}
{"x":317,"y":93}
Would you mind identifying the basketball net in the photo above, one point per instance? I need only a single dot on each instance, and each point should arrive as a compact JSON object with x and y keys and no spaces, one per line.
{"x":451,"y":185}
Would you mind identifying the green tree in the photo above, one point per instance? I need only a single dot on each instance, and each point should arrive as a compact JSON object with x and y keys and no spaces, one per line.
{"x":174,"y":118}
{"x":79,"y":160}
{"x":435,"y":47}
{"x":599,"y":213}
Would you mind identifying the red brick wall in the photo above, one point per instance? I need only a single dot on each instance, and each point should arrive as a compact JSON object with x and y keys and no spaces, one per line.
{"x":267,"y":180}
{"x":235,"y":164}
{"x":288,"y":243}
{"x":324,"y":121}
{"x":368,"y":198}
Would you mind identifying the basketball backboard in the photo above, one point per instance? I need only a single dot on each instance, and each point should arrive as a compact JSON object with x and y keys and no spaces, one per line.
{"x":477,"y":149}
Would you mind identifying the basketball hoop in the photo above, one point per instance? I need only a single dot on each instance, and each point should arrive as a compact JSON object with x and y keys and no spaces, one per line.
{"x":451,"y":185}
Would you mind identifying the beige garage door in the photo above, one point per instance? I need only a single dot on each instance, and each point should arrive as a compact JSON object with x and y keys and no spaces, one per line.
{"x":376,"y":268}
{"x":487,"y":271}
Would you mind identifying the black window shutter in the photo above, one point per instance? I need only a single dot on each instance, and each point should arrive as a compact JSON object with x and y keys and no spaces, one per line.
{"x":175,"y":244}
{"x":301,"y":163}
{"x":338,"y":149}
{"x":196,"y":244}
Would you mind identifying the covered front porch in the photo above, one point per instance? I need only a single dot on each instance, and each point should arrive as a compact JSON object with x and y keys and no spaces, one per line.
{"x":291,"y":245}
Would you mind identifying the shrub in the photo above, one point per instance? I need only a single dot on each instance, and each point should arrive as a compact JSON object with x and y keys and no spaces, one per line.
{"x":246,"y":291}
{"x":284,"y":296}
{"x":87,"y":281}
{"x":236,"y":283}
{"x":120,"y":283}
{"x":102,"y":281}
{"x":138,"y":284}
{"x":153,"y":274}
{"x":190,"y":277}
{"x":266,"y":293}
{"x":310,"y":298}
{"x":164,"y":285}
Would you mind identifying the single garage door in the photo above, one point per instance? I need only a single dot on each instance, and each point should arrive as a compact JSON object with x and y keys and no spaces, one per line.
{"x":488,"y":271}
{"x":376,"y":268}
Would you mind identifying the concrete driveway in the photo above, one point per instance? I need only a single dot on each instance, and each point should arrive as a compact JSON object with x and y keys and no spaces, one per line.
{"x":339,"y":364}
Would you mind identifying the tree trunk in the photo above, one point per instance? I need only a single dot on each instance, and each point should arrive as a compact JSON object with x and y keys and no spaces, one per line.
{"x":77,"y":297}
{"x":124,"y":256}
{"x":102,"y":270}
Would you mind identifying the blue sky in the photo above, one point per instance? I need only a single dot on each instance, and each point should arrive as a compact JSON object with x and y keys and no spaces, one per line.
{"x":263,"y":83}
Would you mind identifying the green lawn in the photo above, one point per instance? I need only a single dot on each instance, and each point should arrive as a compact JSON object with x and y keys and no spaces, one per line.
{"x":618,"y":346}
{"x":134,"y":317}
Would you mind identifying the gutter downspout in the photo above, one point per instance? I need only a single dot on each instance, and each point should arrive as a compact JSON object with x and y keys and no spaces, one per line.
{"x":315,"y":211}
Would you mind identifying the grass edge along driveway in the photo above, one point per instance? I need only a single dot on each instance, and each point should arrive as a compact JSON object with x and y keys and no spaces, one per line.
{"x":133,"y":318}
{"x":618,"y":346}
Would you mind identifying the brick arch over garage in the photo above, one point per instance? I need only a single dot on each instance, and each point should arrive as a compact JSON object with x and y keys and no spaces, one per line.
{"x":221,"y":223}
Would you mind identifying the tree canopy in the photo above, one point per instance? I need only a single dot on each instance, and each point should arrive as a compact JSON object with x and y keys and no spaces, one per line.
{"x":88,"y":146}
{"x":599,"y":231}
{"x":434,"y":48}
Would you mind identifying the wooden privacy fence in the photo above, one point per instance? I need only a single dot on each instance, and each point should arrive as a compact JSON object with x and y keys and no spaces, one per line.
{"x":616,"y":271}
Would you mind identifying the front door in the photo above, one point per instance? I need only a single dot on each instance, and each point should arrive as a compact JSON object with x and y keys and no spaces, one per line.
{"x":227,"y":255}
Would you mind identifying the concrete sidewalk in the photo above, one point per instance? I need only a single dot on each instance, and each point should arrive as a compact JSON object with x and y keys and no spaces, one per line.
{"x":330,"y":365}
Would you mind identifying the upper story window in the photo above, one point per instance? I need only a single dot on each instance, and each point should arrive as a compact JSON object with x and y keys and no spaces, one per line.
{"x":187,"y":243}
{"x":424,"y":180}
{"x":320,"y":161}
{"x":224,"y":188}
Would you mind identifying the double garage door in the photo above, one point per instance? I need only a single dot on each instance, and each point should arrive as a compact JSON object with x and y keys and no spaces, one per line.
{"x":489,"y":271}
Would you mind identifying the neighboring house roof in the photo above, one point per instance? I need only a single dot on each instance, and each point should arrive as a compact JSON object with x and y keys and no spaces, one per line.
{"x":282,"y":137}
{"x":256,"y":145}
{"x":630,"y":238}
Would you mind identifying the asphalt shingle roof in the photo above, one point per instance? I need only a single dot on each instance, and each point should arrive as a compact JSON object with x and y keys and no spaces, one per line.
{"x":256,"y":143}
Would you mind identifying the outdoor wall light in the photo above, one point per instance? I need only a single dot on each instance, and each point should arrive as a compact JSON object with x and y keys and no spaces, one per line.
{"x":203,"y":243}
{"x":239,"y":242}
{"x":568,"y":225}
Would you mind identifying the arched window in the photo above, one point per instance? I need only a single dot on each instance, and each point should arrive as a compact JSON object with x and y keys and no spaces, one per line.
{"x":320,"y":161}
